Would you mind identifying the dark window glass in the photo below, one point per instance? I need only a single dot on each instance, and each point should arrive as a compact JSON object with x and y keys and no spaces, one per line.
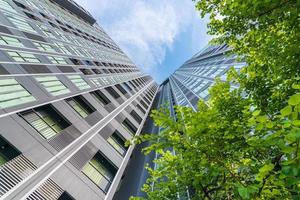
{"x":100,"y":97}
{"x":140,"y":108}
{"x":96,"y":71}
{"x":100,"y":171}
{"x":112,"y":92}
{"x":7,"y":151}
{"x":129,"y":126}
{"x":65,"y":196}
{"x":144,"y":104}
{"x":127,"y":86}
{"x":46,"y":120}
{"x":145,"y":99}
{"x":86,"y":71}
{"x":117,"y":142}
{"x":75,"y":61}
{"x":81,"y":106}
{"x":136,"y":116}
{"x":122,"y":90}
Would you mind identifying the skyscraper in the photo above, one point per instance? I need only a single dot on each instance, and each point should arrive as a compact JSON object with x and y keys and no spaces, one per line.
{"x":193,"y":79}
{"x":185,"y":87}
{"x":69,"y":99}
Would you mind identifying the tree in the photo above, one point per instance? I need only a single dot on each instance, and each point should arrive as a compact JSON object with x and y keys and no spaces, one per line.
{"x":242,"y":143}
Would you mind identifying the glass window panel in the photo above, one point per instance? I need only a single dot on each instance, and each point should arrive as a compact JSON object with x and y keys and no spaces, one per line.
{"x":11,"y":41}
{"x":23,"y":57}
{"x":6,"y":6}
{"x":21,"y":23}
{"x":45,"y":120}
{"x":80,"y":105}
{"x":44,"y":47}
{"x":53,"y":85}
{"x":79,"y":82}
{"x":12,"y":94}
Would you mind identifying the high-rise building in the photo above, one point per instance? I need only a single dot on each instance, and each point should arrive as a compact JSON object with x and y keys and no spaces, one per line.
{"x":185,"y":87}
{"x":69,"y":99}
{"x":193,"y":79}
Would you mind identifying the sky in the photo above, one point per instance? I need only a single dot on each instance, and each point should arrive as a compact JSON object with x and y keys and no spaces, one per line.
{"x":157,"y":35}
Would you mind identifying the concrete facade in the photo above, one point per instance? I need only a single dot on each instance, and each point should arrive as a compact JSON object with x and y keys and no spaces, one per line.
{"x":69,"y":98}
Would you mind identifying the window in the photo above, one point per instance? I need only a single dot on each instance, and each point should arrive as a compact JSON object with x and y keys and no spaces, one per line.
{"x":129,"y":127}
{"x":145,"y":99}
{"x":81,"y":106}
{"x":144,"y":104}
{"x":136,"y":116}
{"x":117,"y":142}
{"x":7,"y":151}
{"x":140,"y":108}
{"x":96,"y":81}
{"x":65,"y":196}
{"x":21,"y":5}
{"x":57,"y":60}
{"x":100,"y":97}
{"x":44,"y":47}
{"x":23,"y":57}
{"x":79,"y":82}
{"x":112,"y":92}
{"x":6,"y":40}
{"x":127,"y":86}
{"x":75,"y":61}
{"x":32,"y":16}
{"x":86,"y":71}
{"x":21,"y":23}
{"x":96,"y":71}
{"x":54,"y":86}
{"x":63,"y":48}
{"x":100,"y":171}
{"x":122,"y":90}
{"x":45,"y":120}
{"x":45,"y":30}
{"x":12,"y":93}
{"x":5,"y":5}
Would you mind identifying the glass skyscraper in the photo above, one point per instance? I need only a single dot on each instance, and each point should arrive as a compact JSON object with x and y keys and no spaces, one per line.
{"x":185,"y":87}
{"x":193,"y":79}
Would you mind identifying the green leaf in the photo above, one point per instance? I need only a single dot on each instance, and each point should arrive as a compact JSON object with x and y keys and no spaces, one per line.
{"x":256,"y":113}
{"x":294,"y":99}
{"x":297,"y":108}
{"x":264,"y":170}
{"x":286,"y":110}
{"x":260,"y":126}
{"x":296,"y":86}
{"x":296,"y":122}
{"x":293,"y":136}
{"x":270,"y":125}
{"x":261,"y":119}
{"x":290,"y":170}
{"x":244,"y":192}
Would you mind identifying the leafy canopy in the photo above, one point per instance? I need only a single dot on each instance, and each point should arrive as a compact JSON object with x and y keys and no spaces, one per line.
{"x":242,"y":143}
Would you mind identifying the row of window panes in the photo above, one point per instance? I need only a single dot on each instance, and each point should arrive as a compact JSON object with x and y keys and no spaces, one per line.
{"x":6,"y":6}
{"x":23,"y":57}
{"x":11,"y":41}
{"x":24,"y":25}
{"x":12,"y":93}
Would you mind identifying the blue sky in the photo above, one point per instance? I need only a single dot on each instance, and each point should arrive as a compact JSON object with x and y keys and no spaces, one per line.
{"x":157,"y":35}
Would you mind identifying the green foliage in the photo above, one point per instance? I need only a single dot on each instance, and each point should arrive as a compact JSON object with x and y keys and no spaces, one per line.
{"x":242,"y":143}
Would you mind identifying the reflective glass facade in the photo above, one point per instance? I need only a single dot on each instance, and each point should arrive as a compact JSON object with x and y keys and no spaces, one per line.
{"x":192,"y":80}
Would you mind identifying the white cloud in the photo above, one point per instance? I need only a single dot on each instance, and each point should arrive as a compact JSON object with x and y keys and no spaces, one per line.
{"x":144,"y":29}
